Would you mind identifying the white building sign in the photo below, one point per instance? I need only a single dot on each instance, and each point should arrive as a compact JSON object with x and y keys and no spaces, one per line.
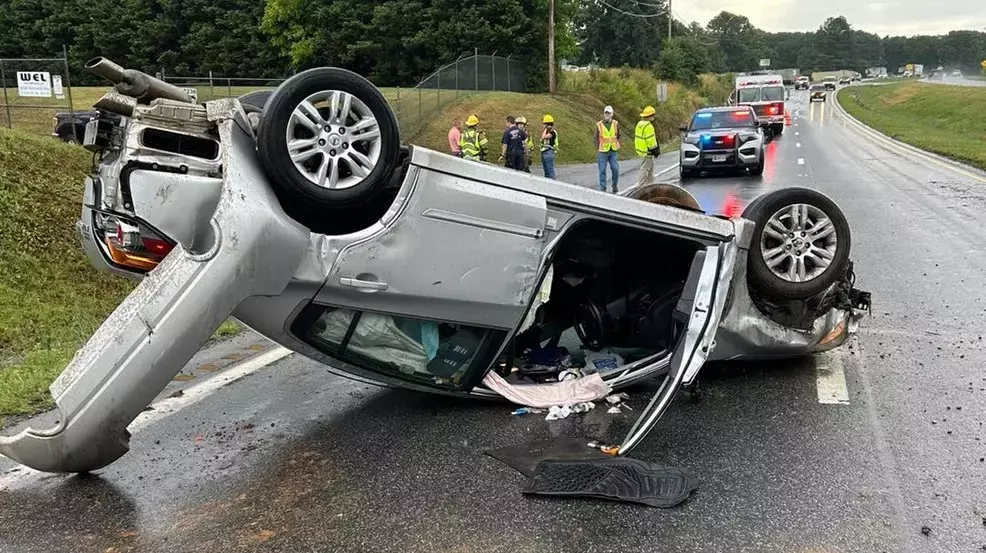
{"x":34,"y":84}
{"x":56,"y":83}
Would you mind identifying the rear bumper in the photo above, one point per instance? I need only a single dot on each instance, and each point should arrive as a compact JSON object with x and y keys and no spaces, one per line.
{"x":768,"y":120}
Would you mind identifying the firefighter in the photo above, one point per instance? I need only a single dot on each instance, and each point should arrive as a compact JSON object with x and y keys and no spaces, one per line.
{"x":472,"y":142}
{"x":549,"y":146}
{"x":645,"y":143}
{"x":528,"y":143}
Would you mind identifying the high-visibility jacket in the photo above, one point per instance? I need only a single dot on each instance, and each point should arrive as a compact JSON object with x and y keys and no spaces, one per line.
{"x":608,"y":138}
{"x":549,"y":144}
{"x":472,"y":143}
{"x":644,"y":138}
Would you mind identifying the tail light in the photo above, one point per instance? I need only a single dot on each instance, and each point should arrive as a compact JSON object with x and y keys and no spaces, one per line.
{"x":775,"y":109}
{"x":131,"y":244}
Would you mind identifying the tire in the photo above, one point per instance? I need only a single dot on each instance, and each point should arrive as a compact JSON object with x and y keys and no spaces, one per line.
{"x":334,"y":182}
{"x":777,"y":129}
{"x":757,"y":169}
{"x":771,"y":213}
{"x":685,"y":174}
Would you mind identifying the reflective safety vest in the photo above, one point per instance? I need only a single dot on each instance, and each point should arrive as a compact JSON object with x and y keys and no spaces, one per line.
{"x":472,"y":143}
{"x":607,"y":138}
{"x":644,"y":139}
{"x":547,"y":145}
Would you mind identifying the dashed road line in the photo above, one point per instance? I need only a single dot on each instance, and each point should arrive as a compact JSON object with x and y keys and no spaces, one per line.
{"x":801,"y":161}
{"x":797,"y":144}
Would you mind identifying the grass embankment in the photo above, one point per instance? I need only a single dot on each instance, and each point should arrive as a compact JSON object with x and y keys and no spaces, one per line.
{"x":577,"y":107}
{"x":51,"y":298}
{"x":946,"y":120}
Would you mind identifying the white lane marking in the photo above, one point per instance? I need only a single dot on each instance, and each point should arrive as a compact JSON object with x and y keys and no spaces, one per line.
{"x":801,"y":161}
{"x":830,"y":378}
{"x":797,"y":133}
{"x":798,"y":144}
{"x":198,"y":392}
{"x":662,"y":171}
{"x":170,"y":406}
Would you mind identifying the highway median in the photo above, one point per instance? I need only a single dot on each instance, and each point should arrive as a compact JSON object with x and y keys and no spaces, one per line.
{"x":945,"y":120}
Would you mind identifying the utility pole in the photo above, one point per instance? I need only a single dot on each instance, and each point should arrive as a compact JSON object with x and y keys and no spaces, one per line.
{"x":670,"y":18}
{"x":551,"y":46}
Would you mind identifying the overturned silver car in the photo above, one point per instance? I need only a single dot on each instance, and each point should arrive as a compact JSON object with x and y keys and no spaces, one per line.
{"x":300,"y":213}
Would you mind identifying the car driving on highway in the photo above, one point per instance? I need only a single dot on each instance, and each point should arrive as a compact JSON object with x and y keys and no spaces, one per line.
{"x":801,"y":83}
{"x":722,"y":139}
{"x":830,"y":83}
{"x":818,"y":93}
{"x":407,"y":267}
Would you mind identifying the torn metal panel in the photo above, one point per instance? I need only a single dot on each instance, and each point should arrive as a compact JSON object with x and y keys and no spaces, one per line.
{"x":254,"y":250}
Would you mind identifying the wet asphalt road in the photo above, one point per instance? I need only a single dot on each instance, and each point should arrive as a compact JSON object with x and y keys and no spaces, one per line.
{"x":292,"y":458}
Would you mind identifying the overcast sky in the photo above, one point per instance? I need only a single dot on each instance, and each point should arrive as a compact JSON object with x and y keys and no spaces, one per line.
{"x":883,"y":17}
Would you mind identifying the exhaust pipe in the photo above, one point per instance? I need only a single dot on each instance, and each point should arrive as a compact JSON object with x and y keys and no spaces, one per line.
{"x":136,"y":84}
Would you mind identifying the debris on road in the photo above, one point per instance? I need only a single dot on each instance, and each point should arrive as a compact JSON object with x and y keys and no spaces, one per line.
{"x":526,"y":411}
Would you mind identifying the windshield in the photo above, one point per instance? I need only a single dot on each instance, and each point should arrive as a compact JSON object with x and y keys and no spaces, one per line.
{"x":709,"y":120}
{"x":749,"y":95}
{"x":828,"y":79}
{"x":773,"y":93}
{"x":818,"y":87}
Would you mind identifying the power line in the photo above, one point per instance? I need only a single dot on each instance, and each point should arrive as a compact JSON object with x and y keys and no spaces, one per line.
{"x":631,"y":14}
{"x":648,"y":4}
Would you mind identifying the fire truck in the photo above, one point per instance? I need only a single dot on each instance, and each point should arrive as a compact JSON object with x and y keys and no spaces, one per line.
{"x":765,"y":93}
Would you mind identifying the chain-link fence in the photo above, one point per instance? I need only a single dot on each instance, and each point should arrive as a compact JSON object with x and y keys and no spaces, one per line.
{"x":465,"y":76}
{"x":35,"y":91}
{"x":210,"y":87}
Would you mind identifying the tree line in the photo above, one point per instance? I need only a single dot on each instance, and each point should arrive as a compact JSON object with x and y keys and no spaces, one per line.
{"x":397,"y":42}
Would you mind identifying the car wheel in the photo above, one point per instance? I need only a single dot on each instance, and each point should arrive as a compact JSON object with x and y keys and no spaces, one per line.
{"x":330,"y":143}
{"x":685,"y":174}
{"x":757,"y":169}
{"x":253,"y":104}
{"x":800,"y":244}
{"x":777,"y":129}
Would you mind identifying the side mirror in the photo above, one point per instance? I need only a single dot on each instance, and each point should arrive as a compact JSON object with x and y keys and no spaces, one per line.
{"x":682,"y":128}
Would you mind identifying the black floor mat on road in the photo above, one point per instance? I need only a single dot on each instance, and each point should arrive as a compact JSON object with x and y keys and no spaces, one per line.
{"x":525,"y":458}
{"x":613,"y":478}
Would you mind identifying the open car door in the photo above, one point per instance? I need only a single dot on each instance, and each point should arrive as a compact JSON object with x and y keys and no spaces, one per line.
{"x":700,"y":308}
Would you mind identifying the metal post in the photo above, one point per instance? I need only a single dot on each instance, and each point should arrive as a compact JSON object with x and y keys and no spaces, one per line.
{"x":229,"y":87}
{"x":493,"y":67}
{"x":551,"y":46}
{"x":670,"y":18}
{"x":68,"y":89}
{"x":6,"y":101}
{"x":457,"y":77}
{"x":398,"y":106}
{"x":212,"y":87}
{"x":475,"y":56}
{"x":508,"y":72}
{"x":439,"y":88}
{"x":419,"y":107}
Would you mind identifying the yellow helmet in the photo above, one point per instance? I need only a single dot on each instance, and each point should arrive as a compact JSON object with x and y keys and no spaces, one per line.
{"x":547,"y":118}
{"x":521,"y":120}
{"x":472,"y":121}
{"x":648,"y":111}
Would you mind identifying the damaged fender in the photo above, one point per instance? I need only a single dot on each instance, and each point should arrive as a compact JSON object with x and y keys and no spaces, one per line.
{"x":255,"y":249}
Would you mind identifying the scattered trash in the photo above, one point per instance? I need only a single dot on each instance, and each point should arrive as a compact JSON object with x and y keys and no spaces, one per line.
{"x":569,"y":374}
{"x":617,"y":398}
{"x":583,"y":407}
{"x":527,"y":411}
{"x":558,"y":412}
{"x":614,"y":410}
{"x":607,"y":449}
{"x":925,"y":530}
{"x":602,"y":361}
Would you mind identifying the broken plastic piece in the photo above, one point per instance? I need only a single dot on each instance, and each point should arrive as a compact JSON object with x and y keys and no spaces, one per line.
{"x":526,"y":411}
{"x":617,"y":479}
{"x":558,"y":412}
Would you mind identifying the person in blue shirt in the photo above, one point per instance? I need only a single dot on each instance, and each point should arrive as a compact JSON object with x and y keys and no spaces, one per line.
{"x":513,"y":146}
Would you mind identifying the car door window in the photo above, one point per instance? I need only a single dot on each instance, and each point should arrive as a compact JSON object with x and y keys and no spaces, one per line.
{"x":431,"y":352}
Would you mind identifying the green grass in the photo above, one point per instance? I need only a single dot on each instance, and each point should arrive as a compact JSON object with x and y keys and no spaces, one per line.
{"x":51,"y":298}
{"x":946,"y":120}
